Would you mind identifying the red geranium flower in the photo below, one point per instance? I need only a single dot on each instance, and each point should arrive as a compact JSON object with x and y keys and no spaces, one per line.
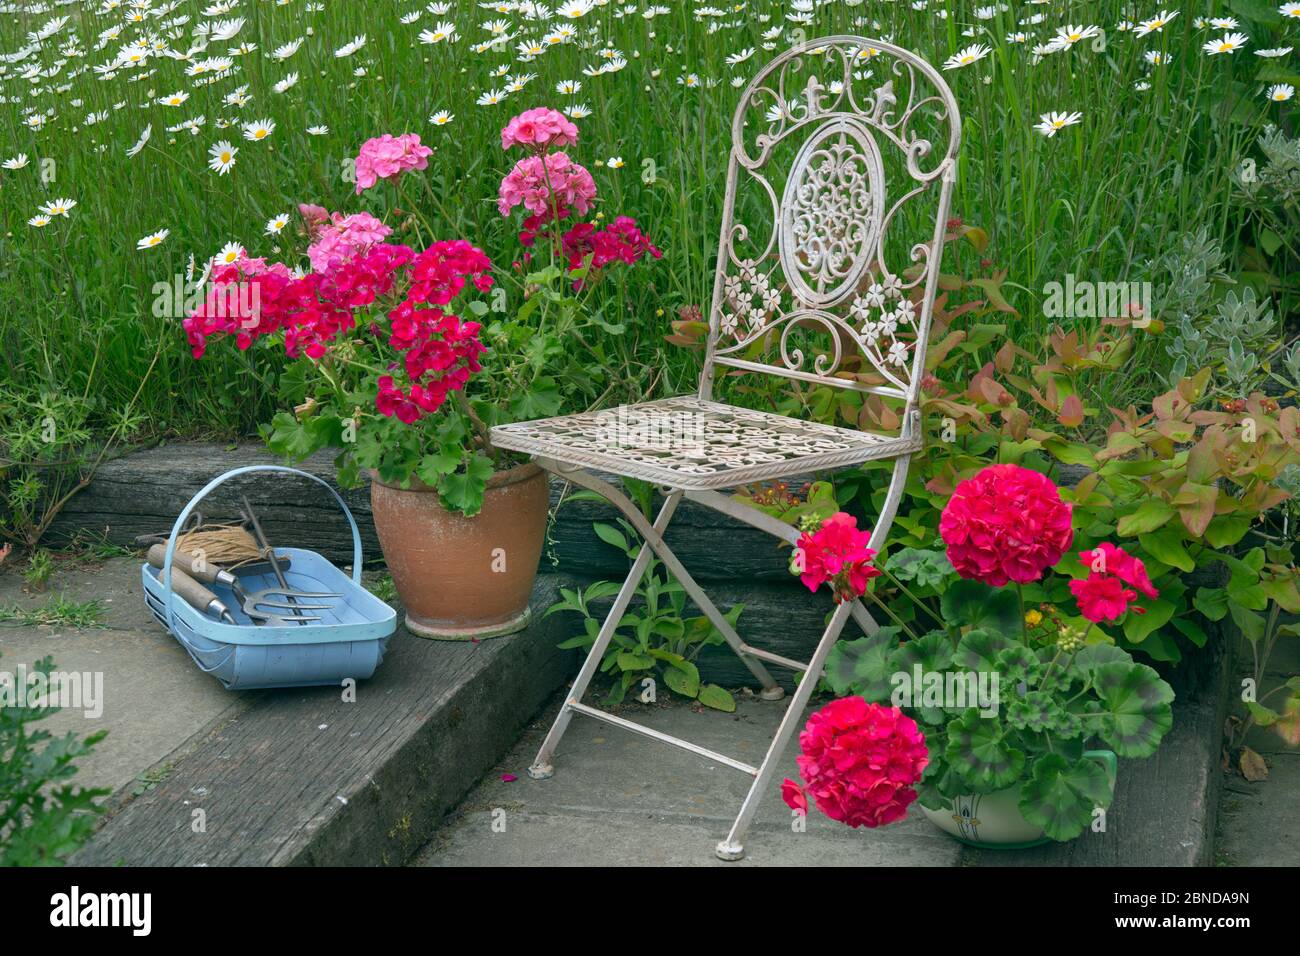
{"x":1007,"y":523}
{"x":1102,"y":596}
{"x":837,"y":552}
{"x":859,"y":763}
{"x":1106,"y":558}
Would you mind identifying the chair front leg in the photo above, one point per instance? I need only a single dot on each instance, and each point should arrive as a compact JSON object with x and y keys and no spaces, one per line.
{"x":733,"y":847}
{"x":541,"y":767}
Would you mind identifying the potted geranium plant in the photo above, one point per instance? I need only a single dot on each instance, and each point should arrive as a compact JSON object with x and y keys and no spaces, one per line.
{"x":405,"y":359}
{"x":1015,"y":703}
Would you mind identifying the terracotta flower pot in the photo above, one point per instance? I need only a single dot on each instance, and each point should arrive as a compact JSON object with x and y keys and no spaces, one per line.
{"x":462,"y":578}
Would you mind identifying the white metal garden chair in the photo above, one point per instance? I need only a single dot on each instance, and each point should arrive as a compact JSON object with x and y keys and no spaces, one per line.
{"x":806,"y":287}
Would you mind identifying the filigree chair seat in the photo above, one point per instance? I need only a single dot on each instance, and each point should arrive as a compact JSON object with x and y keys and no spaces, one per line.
{"x":692,"y":444}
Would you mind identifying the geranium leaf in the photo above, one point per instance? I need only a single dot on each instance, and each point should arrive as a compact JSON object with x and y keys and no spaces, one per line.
{"x":978,"y":650}
{"x":981,"y":755}
{"x":862,"y":667}
{"x":1060,"y":796}
{"x":1092,"y":656}
{"x":463,"y":490}
{"x":1136,"y":705}
{"x":978,"y":605}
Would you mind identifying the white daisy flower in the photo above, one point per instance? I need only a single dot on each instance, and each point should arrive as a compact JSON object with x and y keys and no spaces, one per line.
{"x":258,"y":130}
{"x":153,"y":239}
{"x":222,"y":157}
{"x":288,"y":49}
{"x":1228,"y":43}
{"x":1050,"y":123}
{"x":276,"y":223}
{"x":444,"y":32}
{"x":59,"y":207}
{"x":348,"y":49}
{"x":230,"y":253}
{"x":971,"y":54}
{"x":1154,"y":24}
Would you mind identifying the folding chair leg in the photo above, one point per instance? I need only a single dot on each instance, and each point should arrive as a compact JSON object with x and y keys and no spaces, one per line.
{"x":654,"y":538}
{"x":541,"y":767}
{"x":732,"y":848}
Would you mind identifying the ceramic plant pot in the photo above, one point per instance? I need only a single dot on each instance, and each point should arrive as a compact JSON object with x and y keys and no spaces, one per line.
{"x":464,"y":578}
{"x":993,"y":820}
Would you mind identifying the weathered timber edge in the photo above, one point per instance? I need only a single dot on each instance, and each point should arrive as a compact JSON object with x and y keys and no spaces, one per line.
{"x":142,"y":493}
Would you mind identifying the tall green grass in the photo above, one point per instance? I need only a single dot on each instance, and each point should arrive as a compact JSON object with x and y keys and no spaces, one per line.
{"x":1098,"y":200}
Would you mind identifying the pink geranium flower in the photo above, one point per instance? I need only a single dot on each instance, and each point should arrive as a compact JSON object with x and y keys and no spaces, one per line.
{"x":1007,"y":523}
{"x":549,"y":185}
{"x":388,"y":156}
{"x":837,"y":552}
{"x":539,"y":130}
{"x":343,"y":238}
{"x":859,"y":763}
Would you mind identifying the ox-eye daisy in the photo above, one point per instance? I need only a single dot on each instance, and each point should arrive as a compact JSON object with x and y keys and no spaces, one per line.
{"x":1049,"y":123}
{"x":276,"y":223}
{"x":153,"y":239}
{"x":59,"y":207}
{"x":259,"y":129}
{"x":222,"y":157}
{"x":972,"y":54}
{"x":231,"y":252}
{"x":1156,"y":23}
{"x":1228,"y":43}
{"x":39,"y":221}
{"x":441,"y":118}
{"x":1281,"y":92}
{"x":15,"y":162}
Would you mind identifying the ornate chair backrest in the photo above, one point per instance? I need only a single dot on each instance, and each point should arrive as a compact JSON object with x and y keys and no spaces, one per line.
{"x":838,"y":146}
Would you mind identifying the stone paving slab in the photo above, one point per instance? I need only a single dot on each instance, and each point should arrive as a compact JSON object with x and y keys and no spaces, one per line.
{"x":621,"y":799}
{"x":155,"y":699}
{"x":1259,"y":823}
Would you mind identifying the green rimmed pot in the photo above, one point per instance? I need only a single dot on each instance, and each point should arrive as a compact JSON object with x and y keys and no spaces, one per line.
{"x":993,"y":821}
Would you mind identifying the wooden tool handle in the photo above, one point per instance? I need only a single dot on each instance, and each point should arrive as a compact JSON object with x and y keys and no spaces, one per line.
{"x":188,"y":563}
{"x":193,"y":593}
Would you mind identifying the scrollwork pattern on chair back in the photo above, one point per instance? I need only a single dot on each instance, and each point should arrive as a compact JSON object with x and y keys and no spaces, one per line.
{"x":814,"y":293}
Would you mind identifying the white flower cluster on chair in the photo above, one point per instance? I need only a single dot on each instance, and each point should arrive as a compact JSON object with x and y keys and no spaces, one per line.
{"x":751,"y":299}
{"x":879,"y":330}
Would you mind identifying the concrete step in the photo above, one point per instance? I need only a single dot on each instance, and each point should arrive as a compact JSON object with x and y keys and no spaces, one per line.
{"x":305,"y":777}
